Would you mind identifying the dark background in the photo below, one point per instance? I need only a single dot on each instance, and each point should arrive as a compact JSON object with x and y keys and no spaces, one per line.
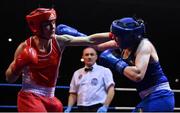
{"x":162,"y":20}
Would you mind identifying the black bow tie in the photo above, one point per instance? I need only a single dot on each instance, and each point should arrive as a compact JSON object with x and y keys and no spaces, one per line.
{"x":88,"y":69}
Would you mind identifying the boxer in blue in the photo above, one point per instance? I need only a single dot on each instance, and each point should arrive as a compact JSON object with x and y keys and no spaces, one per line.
{"x":139,"y":62}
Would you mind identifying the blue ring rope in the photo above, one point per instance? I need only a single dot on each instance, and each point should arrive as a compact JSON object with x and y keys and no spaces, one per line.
{"x":19,"y":85}
{"x":15,"y":107}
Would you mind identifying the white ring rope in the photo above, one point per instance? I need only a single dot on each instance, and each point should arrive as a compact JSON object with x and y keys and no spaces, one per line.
{"x":131,"y":108}
{"x":133,"y":89}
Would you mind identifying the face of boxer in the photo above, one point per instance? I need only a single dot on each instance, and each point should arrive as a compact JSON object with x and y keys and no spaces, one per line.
{"x":89,"y":56}
{"x":48,"y":29}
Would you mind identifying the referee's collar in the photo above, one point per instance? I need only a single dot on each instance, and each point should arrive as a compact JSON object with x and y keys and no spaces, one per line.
{"x":93,"y":66}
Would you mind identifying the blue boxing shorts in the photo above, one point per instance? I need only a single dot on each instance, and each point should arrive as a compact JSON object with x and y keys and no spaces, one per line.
{"x":159,"y":101}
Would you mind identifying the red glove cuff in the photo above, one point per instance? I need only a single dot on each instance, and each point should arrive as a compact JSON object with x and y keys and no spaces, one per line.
{"x":111,"y":35}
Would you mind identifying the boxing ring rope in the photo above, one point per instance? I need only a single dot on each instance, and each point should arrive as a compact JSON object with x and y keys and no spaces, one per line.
{"x":133,"y":89}
{"x":67,"y":87}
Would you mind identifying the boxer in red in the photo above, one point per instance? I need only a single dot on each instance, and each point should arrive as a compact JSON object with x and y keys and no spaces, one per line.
{"x":38,"y":59}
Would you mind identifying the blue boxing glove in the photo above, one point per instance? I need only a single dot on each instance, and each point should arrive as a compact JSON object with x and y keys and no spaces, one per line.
{"x":68,"y":109}
{"x":107,"y":59}
{"x":102,"y":109}
{"x":64,"y":29}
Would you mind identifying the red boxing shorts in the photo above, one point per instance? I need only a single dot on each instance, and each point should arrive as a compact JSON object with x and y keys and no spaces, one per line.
{"x":30,"y":102}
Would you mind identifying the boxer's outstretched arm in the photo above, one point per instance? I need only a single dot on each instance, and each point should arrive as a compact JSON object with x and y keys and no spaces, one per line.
{"x":106,"y":45}
{"x":90,"y":40}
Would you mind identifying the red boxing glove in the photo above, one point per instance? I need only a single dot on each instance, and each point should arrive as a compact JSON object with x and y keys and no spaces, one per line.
{"x":27,"y":56}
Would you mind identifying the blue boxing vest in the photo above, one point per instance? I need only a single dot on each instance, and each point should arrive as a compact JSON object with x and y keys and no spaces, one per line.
{"x":153,"y":76}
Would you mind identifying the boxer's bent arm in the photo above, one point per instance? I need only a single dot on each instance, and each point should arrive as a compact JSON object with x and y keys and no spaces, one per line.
{"x":136,"y":73}
{"x":10,"y":75}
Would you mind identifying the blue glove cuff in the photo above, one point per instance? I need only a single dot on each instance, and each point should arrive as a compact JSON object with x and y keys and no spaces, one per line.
{"x":120,"y":66}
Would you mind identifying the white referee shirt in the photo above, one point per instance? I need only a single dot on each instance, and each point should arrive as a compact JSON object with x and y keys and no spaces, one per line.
{"x":91,"y":87}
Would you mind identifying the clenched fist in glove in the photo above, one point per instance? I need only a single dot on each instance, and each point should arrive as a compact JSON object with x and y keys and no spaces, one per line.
{"x":62,"y":29}
{"x":27,"y":56}
{"x":107,"y":59}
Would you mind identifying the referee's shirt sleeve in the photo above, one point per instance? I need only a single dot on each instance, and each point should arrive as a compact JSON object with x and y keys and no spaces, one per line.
{"x":108,"y":78}
{"x":73,"y":85}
